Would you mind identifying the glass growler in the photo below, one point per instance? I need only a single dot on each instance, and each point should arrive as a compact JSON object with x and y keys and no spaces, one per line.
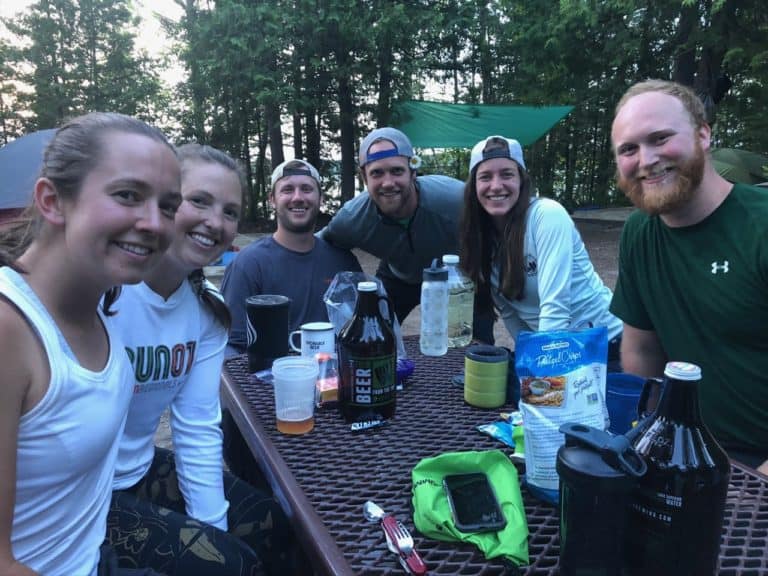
{"x":676,"y":516}
{"x":367,"y":362}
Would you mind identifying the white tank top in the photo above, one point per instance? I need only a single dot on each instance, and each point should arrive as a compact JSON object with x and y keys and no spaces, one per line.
{"x":66,"y":449}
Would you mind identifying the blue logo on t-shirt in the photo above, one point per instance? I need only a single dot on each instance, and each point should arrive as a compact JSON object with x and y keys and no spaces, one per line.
{"x":530,"y":267}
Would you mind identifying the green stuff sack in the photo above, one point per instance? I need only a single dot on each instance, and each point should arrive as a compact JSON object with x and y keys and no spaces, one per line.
{"x":432,"y":513}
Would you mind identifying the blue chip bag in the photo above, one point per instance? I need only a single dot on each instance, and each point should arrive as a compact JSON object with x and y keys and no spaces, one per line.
{"x":562,"y":376}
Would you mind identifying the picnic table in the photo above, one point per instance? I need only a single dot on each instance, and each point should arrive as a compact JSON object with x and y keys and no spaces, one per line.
{"x":322,"y":478}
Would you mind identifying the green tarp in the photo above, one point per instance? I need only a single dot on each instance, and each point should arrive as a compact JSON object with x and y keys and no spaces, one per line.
{"x":740,"y":165}
{"x":440,"y":125}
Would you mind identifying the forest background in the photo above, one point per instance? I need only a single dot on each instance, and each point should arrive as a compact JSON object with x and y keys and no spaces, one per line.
{"x":310,"y":77}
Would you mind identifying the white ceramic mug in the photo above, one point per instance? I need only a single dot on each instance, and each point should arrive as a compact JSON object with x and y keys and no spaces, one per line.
{"x":315,"y":337}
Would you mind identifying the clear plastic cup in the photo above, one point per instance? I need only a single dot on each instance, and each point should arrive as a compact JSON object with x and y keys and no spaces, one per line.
{"x":294,"y":382}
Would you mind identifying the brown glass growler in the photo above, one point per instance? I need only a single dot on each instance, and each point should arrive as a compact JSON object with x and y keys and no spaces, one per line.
{"x":676,"y":516}
{"x":367,"y":362}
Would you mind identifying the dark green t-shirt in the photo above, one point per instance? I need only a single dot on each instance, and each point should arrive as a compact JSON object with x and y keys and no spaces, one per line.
{"x":704,"y":290}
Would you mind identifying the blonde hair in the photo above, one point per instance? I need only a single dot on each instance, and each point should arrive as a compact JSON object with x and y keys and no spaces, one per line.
{"x":688,"y":98}
{"x":190,"y":155}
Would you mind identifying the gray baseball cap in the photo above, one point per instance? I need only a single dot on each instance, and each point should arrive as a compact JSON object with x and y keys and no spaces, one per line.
{"x":513,"y":151}
{"x":403,"y":146}
{"x":283,"y":170}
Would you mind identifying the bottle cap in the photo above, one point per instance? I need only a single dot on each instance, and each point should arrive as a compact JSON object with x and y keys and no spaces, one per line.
{"x":367,"y":286}
{"x":435,"y":273}
{"x":682,"y":371}
{"x":450,"y":259}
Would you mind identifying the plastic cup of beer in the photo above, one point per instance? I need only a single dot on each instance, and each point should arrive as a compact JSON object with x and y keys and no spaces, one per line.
{"x":294,"y":379}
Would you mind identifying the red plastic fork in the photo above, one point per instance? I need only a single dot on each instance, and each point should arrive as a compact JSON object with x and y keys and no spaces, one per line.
{"x":403,"y":541}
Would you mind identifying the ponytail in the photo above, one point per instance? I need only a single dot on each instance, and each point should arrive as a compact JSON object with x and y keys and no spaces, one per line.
{"x":15,"y":237}
{"x":210,"y":298}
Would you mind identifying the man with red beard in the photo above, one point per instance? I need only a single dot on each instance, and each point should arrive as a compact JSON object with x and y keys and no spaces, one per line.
{"x":693,"y":264}
{"x":292,"y":261}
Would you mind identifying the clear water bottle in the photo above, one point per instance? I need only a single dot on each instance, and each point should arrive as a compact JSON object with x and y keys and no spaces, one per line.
{"x":461,"y":303}
{"x":433,"y":338}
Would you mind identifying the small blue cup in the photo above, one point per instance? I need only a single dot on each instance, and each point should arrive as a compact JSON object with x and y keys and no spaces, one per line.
{"x":622,"y":395}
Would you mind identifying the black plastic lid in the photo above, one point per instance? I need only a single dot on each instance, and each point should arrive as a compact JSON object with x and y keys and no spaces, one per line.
{"x":435,"y":273}
{"x":486,"y":353}
{"x":584,"y":465}
{"x":594,"y":456}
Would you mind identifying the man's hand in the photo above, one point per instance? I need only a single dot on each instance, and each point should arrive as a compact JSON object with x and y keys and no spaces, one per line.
{"x":641,"y":352}
{"x":763,"y":468}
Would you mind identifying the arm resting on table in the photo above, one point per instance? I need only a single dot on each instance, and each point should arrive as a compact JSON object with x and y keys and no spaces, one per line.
{"x":641,"y":352}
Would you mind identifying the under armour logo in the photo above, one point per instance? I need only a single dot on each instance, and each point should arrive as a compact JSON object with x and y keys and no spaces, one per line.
{"x":720,"y":267}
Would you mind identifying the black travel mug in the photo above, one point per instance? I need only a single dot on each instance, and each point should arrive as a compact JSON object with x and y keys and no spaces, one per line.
{"x":267,"y":329}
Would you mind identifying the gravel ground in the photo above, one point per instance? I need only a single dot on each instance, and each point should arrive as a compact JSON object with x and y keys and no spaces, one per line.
{"x":600,"y":230}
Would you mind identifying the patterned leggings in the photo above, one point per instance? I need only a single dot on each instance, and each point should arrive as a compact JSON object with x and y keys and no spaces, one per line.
{"x":147,"y":527}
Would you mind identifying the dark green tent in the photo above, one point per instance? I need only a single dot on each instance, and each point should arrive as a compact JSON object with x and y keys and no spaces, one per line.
{"x":740,"y":165}
{"x":441,"y":125}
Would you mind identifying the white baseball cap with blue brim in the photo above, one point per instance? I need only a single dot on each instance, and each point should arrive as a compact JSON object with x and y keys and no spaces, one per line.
{"x":513,"y":151}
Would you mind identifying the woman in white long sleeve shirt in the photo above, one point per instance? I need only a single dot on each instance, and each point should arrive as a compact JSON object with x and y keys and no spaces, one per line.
{"x":527,"y":252}
{"x":175,"y":326}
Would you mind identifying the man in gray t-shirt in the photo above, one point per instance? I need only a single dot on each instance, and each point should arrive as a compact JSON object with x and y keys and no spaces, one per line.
{"x":292,"y":261}
{"x":403,"y":219}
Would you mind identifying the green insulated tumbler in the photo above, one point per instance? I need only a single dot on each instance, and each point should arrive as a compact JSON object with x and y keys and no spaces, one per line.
{"x":485,"y":376}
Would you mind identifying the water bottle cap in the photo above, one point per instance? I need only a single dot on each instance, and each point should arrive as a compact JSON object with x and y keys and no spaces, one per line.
{"x":450,"y":259}
{"x":367,"y":287}
{"x":682,"y":371}
{"x":435,"y":273}
{"x":590,"y":451}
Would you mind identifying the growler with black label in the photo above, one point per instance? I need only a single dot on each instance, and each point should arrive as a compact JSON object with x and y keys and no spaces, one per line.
{"x":676,"y":512}
{"x":367,"y":361}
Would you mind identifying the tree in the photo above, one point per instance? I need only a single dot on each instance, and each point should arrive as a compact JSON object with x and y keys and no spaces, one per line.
{"x":11,"y":121}
{"x":329,"y":70}
{"x":82,"y":58}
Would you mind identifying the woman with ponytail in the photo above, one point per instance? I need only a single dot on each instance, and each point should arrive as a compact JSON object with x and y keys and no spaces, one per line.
{"x":102,"y":215}
{"x":176,"y":511}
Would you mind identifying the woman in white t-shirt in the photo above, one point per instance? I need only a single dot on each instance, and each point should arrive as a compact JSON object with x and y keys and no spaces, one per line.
{"x":175,"y":327}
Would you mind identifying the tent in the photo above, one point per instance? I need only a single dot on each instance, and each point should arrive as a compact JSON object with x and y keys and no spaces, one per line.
{"x":740,"y":165}
{"x":20,"y":162}
{"x":442,"y":125}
